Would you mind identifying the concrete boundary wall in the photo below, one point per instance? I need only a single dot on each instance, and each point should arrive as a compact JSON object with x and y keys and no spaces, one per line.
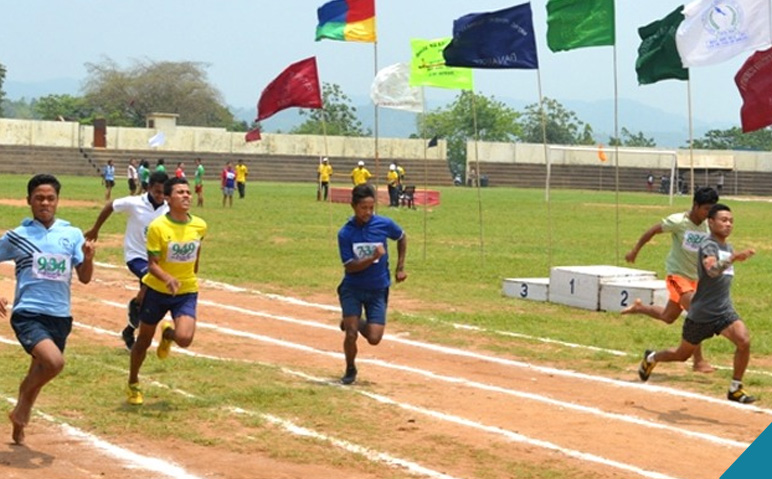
{"x":216,"y":140}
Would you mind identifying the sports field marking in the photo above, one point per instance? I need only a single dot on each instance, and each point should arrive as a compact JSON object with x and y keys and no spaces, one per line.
{"x":336,"y":309}
{"x":493,"y":359}
{"x":630,"y":419}
{"x":130,"y":458}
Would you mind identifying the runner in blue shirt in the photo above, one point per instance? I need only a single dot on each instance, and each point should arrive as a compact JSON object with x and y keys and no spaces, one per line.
{"x":363,"y":250}
{"x":45,"y":250}
{"x":108,"y":178}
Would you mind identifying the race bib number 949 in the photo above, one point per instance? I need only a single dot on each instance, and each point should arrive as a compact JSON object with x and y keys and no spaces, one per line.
{"x":182,"y":252}
{"x":52,"y":267}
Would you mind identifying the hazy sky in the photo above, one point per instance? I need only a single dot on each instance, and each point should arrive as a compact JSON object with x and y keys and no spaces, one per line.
{"x":247,"y":43}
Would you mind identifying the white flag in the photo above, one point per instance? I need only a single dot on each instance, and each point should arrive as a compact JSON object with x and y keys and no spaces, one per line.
{"x":157,"y":140}
{"x":391,"y":89}
{"x":714,"y":31}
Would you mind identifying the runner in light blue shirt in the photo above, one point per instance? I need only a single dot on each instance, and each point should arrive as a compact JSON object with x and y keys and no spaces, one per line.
{"x":45,"y":251}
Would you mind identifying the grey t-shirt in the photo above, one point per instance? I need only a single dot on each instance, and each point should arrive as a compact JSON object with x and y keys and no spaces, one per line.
{"x":711,"y":301}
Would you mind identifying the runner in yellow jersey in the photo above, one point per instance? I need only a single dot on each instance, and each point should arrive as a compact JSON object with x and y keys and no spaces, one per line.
{"x":174,"y":248}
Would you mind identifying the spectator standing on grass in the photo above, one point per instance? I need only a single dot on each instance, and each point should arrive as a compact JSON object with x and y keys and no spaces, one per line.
{"x":362,"y":243}
{"x":360,"y":175}
{"x":180,"y":171}
{"x":228,"y":183}
{"x":108,"y":178}
{"x":141,"y":210}
{"x":392,"y":182}
{"x":687,"y":231}
{"x":133,"y":177}
{"x":199,"y":183}
{"x":144,"y":174}
{"x":160,"y":165}
{"x":711,"y":312}
{"x":323,"y":175}
{"x":241,"y":178}
{"x":650,"y":182}
{"x":174,"y":247}
{"x":45,"y":250}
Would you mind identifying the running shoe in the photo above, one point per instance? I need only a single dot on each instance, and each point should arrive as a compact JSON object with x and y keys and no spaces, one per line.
{"x":740,"y":396}
{"x":133,"y":313}
{"x":645,"y":369}
{"x":134,"y":394}
{"x":128,"y":337}
{"x":166,"y":344}
{"x":350,"y":376}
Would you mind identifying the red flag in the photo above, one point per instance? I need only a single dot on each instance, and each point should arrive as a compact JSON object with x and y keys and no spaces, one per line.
{"x":253,"y":135}
{"x":297,"y":85}
{"x":754,"y":80}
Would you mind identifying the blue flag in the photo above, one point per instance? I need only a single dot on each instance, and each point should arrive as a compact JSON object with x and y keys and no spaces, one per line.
{"x":501,"y":39}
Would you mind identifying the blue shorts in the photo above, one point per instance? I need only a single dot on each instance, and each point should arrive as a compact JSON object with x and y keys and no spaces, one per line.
{"x":138,"y":266}
{"x":32,"y":328}
{"x":156,"y":305}
{"x":375,"y":302}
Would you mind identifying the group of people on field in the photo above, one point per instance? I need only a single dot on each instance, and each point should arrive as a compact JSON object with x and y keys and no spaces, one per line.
{"x":360,"y":175}
{"x":162,"y":248}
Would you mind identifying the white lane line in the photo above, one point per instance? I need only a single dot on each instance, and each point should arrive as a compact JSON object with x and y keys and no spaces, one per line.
{"x":131,"y":459}
{"x":326,"y":307}
{"x":512,"y":436}
{"x":626,"y":418}
{"x":505,"y":362}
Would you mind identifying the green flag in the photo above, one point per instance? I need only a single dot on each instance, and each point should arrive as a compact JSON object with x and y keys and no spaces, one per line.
{"x":579,"y":23}
{"x":427,"y":67}
{"x":658,"y":57}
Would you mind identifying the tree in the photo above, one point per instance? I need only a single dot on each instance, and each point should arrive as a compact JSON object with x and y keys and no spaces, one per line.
{"x":57,"y":107}
{"x":126,"y":97}
{"x":456,"y":123}
{"x":735,"y":139}
{"x":337,"y":118}
{"x":562,"y":126}
{"x":2,"y":93}
{"x":629,"y":139}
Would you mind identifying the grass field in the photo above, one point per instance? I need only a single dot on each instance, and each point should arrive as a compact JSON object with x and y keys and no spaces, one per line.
{"x":280,"y":240}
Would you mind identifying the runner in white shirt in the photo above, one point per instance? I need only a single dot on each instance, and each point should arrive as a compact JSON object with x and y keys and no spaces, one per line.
{"x":141,"y":211}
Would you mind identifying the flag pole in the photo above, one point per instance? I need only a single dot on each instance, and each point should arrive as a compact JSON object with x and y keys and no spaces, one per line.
{"x":376,"y":111}
{"x":479,"y":177}
{"x":616,"y":146}
{"x":426,"y":164}
{"x":331,"y":231}
{"x":548,"y":165}
{"x":691,"y":137}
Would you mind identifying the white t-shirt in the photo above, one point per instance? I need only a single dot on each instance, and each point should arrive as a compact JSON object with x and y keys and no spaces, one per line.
{"x":131,"y":173}
{"x":141,"y":213}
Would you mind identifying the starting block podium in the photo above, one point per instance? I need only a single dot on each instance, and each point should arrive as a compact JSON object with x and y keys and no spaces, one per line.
{"x":596,"y":288}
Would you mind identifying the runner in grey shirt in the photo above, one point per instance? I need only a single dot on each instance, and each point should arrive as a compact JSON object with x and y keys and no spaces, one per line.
{"x":711,"y":312}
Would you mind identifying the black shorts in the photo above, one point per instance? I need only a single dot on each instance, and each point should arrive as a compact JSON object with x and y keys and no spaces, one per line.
{"x":32,"y":328}
{"x":695,"y":333}
{"x":109,"y":183}
{"x":132,"y":185}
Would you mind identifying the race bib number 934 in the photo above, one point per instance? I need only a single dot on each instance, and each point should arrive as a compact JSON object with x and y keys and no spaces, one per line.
{"x":52,"y":267}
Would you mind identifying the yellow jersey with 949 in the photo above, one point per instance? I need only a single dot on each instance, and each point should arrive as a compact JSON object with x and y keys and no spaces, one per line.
{"x":176,"y":245}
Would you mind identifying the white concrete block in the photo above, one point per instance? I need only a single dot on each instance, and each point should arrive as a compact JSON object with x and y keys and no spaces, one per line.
{"x":617,"y":295}
{"x":579,"y":286}
{"x":535,"y":289}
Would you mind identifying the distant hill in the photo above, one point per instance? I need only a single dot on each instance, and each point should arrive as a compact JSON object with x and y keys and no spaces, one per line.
{"x":668,"y":130}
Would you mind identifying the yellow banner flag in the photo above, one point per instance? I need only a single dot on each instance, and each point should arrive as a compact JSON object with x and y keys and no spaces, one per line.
{"x":427,"y":66}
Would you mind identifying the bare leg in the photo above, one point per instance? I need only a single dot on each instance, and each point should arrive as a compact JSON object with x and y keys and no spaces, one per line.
{"x":47,"y":363}
{"x":351,"y":326}
{"x":139,"y":351}
{"x":739,"y":335}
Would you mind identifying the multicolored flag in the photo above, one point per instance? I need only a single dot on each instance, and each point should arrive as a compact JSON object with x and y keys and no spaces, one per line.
{"x":658,"y":57}
{"x":717,"y":30}
{"x":347,"y":21}
{"x":427,"y":67}
{"x":500,"y":39}
{"x":297,"y":85}
{"x":754,"y":80}
{"x":579,"y":23}
{"x":391,"y":89}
